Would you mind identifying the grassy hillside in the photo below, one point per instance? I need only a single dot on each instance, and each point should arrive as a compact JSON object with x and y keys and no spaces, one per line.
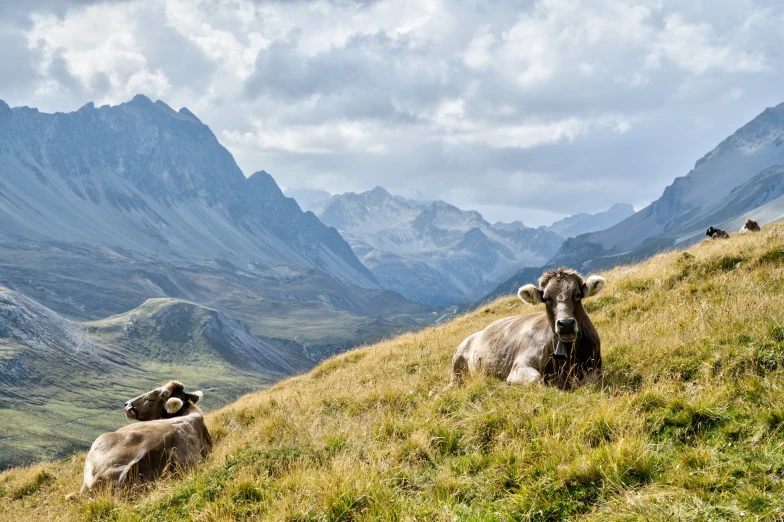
{"x":687,"y":424}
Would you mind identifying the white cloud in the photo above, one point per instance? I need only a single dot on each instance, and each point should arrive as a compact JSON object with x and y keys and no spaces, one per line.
{"x":478,"y":53}
{"x":97,"y":40}
{"x":219,"y":45}
{"x":311,"y":139}
{"x":696,"y":48}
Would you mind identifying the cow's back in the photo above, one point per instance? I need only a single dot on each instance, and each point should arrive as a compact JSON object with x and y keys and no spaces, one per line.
{"x":495,"y":349}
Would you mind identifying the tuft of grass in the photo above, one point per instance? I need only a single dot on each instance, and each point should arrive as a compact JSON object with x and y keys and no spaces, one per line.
{"x":101,"y":510}
{"x":772,"y":257}
{"x":39,"y":480}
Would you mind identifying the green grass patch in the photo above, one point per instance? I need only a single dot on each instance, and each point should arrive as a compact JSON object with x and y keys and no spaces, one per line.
{"x":41,"y":479}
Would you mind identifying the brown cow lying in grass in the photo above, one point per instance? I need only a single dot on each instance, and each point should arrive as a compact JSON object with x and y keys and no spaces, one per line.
{"x":750,"y":226}
{"x":170,"y":436}
{"x":559,"y":345}
{"x":716,"y":233}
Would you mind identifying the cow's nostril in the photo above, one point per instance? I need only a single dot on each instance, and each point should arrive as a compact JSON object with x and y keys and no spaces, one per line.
{"x":566,"y":324}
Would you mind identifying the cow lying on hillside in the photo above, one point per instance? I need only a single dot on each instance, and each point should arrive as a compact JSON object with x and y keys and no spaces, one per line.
{"x":750,"y":226}
{"x":559,"y":345}
{"x":170,"y":436}
{"x":715,"y":233}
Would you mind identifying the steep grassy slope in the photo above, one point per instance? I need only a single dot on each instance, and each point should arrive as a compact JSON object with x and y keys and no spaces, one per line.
{"x":687,"y":424}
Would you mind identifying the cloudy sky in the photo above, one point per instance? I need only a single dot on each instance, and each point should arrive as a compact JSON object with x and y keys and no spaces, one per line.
{"x":525,"y":110}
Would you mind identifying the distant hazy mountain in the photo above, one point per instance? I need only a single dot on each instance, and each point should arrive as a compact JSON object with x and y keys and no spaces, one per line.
{"x":432,"y":253}
{"x":145,"y":178}
{"x":514,"y":225}
{"x":437,"y":254}
{"x":583,"y":223}
{"x":710,"y":194}
{"x":307,"y":198}
{"x":577,"y":224}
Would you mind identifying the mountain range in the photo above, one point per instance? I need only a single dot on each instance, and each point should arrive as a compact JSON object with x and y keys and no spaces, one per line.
{"x":435,"y":253}
{"x":105,"y":207}
{"x":143,"y":177}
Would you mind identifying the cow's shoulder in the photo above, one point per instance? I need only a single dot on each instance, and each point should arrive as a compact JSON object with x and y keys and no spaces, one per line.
{"x":516,"y":322}
{"x":150,"y":434}
{"x":511,"y":331}
{"x":520,"y":325}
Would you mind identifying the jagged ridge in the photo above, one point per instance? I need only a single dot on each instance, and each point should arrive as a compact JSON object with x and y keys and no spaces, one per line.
{"x":146,"y":178}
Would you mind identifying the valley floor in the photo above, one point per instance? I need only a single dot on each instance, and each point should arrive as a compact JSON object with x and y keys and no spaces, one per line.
{"x":687,"y":424}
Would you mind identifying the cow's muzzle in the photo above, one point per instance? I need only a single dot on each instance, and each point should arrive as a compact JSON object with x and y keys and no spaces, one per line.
{"x":130,"y":411}
{"x":567,"y":330}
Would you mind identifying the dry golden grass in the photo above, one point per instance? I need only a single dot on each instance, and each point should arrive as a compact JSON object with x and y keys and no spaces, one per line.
{"x":687,"y":424}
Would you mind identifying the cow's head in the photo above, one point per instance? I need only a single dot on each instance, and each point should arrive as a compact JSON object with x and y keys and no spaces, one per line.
{"x":711,"y":231}
{"x":161,"y":403}
{"x":562,"y":292}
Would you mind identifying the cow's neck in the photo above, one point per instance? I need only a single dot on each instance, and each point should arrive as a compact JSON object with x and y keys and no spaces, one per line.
{"x":186,"y":410}
{"x":587,"y":339}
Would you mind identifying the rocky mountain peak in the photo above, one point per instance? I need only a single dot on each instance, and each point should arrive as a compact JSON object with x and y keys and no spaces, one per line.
{"x":514,"y":225}
{"x":765,"y":129}
{"x":379,"y":191}
{"x":264,"y":179}
{"x":139,"y":100}
{"x":184,"y":112}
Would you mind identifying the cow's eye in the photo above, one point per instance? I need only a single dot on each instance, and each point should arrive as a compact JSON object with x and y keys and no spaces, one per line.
{"x":148,"y":399}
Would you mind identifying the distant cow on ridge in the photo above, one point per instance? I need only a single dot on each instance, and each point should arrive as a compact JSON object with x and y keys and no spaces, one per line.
{"x":750,"y":226}
{"x":559,"y":345}
{"x":170,"y":436}
{"x":715,"y":233}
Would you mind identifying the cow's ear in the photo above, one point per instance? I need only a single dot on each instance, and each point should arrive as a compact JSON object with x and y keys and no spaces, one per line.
{"x":530,"y":294}
{"x":593,"y":285}
{"x":173,"y":405}
{"x":195,"y":397}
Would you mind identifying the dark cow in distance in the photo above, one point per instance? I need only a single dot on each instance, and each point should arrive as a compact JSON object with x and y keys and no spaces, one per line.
{"x":558,"y":346}
{"x":715,"y":233}
{"x":750,"y":226}
{"x":170,"y":436}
